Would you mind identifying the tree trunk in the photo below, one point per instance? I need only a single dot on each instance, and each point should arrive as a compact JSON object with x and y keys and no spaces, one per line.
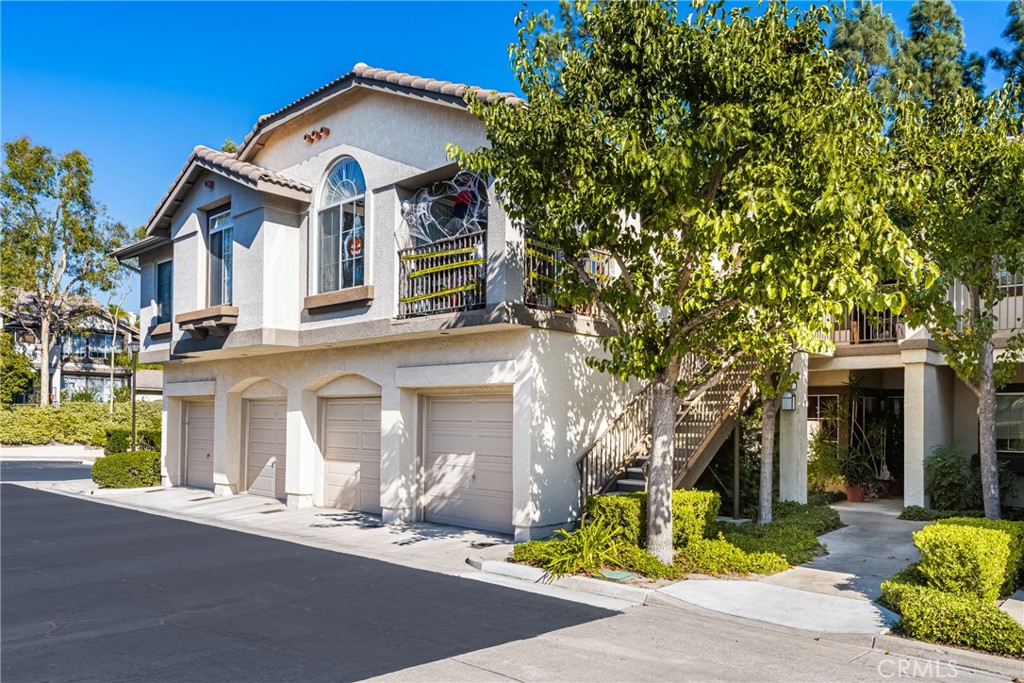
{"x":987,"y":432}
{"x":44,"y":359}
{"x":665,"y":407}
{"x":769,"y":410}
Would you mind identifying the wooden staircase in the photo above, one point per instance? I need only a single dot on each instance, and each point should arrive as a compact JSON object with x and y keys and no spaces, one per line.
{"x":617,"y":461}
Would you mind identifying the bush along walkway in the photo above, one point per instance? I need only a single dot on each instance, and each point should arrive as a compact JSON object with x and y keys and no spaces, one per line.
{"x":951,"y":595}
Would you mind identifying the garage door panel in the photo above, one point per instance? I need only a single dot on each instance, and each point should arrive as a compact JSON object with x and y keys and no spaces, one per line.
{"x":352,"y":454}
{"x":468,"y":462}
{"x":265,"y":449}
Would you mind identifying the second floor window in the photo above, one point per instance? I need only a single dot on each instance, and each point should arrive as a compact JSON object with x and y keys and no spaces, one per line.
{"x":164,"y":289}
{"x":220,"y":257}
{"x":341,"y":231}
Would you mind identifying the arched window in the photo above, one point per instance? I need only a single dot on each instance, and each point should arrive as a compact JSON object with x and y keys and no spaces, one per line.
{"x":341,"y":229}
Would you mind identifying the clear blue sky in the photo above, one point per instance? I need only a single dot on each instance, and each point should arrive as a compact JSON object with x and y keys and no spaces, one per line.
{"x":136,"y":85}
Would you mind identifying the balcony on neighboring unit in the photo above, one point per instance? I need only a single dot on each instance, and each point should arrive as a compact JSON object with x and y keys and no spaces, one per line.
{"x":544,"y":263}
{"x":865,"y":327}
{"x":445,"y":276}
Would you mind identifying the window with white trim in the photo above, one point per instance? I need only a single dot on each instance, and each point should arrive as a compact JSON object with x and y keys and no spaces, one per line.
{"x":341,"y":232}
{"x":164,"y":291}
{"x":1010,"y":422}
{"x":219,"y":226}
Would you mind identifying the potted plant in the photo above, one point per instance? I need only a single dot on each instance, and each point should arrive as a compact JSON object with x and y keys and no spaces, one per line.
{"x":858,"y":472}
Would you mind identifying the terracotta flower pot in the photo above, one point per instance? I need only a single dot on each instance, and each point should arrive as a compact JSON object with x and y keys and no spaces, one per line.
{"x":855,"y":494}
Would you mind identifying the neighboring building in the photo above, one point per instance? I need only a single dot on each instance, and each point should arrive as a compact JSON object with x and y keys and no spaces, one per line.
{"x":347,"y":320}
{"x":81,"y":359}
{"x":905,"y":382}
{"x":149,"y":384}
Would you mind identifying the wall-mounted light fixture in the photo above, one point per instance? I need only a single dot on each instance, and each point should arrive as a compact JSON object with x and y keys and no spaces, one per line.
{"x":789,"y":401}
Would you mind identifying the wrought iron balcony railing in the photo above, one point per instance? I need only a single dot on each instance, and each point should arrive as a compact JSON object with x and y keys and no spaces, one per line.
{"x":443,"y":277}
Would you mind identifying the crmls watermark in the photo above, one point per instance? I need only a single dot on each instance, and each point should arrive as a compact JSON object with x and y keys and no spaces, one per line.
{"x":931,"y":669}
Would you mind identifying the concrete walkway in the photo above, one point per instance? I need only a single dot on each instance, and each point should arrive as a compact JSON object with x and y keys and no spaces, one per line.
{"x":834,"y":593}
{"x":53,"y":452}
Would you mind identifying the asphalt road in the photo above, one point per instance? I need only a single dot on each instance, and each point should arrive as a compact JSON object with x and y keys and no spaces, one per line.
{"x":93,"y":592}
{"x":14,"y":470}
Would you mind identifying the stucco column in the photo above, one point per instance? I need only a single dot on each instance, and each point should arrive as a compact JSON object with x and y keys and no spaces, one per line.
{"x":170,"y":442}
{"x":399,"y":484}
{"x":927,"y":416}
{"x":793,"y":439}
{"x":225,"y":462}
{"x":527,"y":478}
{"x":301,"y":450}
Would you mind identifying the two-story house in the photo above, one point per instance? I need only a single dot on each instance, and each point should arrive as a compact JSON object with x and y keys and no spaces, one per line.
{"x":347,"y":320}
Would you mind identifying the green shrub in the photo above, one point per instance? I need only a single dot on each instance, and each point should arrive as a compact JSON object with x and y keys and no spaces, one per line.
{"x":955,"y":485}
{"x":119,"y":440}
{"x":933,"y":615}
{"x":84,"y":423}
{"x":916,"y":513}
{"x":719,"y":556}
{"x":793,"y":543}
{"x":127,"y":470}
{"x":963,"y":560}
{"x":1013,"y":574}
{"x":583,"y":549}
{"x":819,"y":519}
{"x":692,"y":512}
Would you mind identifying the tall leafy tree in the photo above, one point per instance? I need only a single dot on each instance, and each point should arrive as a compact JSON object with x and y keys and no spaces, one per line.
{"x":932,"y":62}
{"x":967,"y":155}
{"x":16,"y":374}
{"x":866,"y":40}
{"x":717,"y":162}
{"x":55,"y":244}
{"x":1011,"y":61}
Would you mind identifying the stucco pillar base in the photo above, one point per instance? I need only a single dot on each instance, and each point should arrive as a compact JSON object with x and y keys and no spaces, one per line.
{"x":398,"y":515}
{"x":224,"y":489}
{"x":297,"y":501}
{"x":793,"y":439}
{"x":522,"y":534}
{"x":165,"y":481}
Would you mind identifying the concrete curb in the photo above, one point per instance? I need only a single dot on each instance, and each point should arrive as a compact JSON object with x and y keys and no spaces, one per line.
{"x":582,"y":584}
{"x":966,"y":659}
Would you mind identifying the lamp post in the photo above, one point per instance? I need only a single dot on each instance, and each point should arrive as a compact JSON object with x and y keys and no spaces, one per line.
{"x":133,"y":346}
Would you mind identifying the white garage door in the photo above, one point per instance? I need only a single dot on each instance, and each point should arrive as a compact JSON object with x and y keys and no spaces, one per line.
{"x":199,"y":445}
{"x":352,"y":454}
{"x":468,"y":462}
{"x":265,"y":459}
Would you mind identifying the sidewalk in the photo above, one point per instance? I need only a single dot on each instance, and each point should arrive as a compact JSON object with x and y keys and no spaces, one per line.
{"x":51,"y":453}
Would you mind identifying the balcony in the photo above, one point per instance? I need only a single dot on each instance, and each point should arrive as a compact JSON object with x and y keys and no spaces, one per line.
{"x":544,"y":264}
{"x":862,"y":327}
{"x":445,"y":276}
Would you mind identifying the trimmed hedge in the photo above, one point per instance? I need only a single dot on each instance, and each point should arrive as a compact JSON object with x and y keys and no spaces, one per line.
{"x":119,"y":440}
{"x":83,"y":423}
{"x":792,"y":534}
{"x":1013,"y":574}
{"x":692,"y":512}
{"x":916,"y":513}
{"x":963,"y":560}
{"x":935,"y":616}
{"x":719,"y":556}
{"x":127,"y":470}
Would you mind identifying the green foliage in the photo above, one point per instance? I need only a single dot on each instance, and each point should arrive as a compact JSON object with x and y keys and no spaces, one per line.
{"x":963,"y":560}
{"x":916,"y":513}
{"x":594,"y":546}
{"x":792,"y":534}
{"x":1014,"y":571}
{"x":954,"y":485}
{"x":719,"y":556}
{"x":932,"y":63}
{"x":1011,"y":62}
{"x":83,"y":396}
{"x":586,"y":550}
{"x":119,"y":440}
{"x":127,"y":470}
{"x":84,"y":423}
{"x":935,"y":616}
{"x":864,"y":40}
{"x":229,"y":146}
{"x":692,"y":512}
{"x":17,"y":377}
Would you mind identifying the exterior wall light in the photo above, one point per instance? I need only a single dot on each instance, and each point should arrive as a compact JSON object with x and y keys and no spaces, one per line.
{"x":789,"y":401}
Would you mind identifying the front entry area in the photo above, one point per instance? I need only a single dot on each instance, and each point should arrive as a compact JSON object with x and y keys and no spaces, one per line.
{"x":351,"y":448}
{"x":199,"y":444}
{"x":265,"y":448}
{"x":468,"y":461}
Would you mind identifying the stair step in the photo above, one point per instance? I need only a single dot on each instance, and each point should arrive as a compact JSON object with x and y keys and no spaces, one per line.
{"x":631,"y":485}
{"x":636,"y":473}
